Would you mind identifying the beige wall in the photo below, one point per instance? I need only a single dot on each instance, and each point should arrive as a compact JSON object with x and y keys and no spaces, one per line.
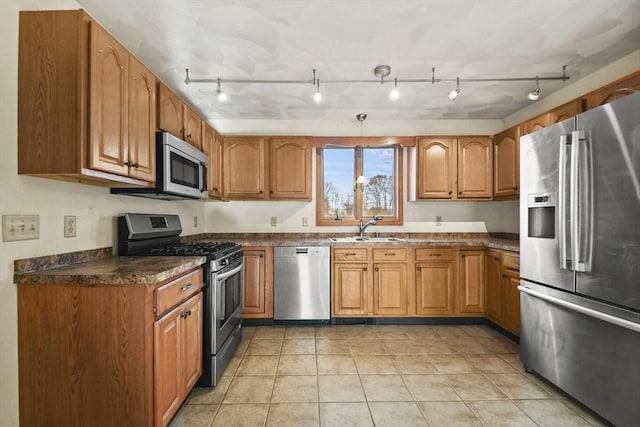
{"x":95,"y":208}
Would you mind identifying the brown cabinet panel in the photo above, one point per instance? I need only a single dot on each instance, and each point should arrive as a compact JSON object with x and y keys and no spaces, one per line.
{"x":475,"y":167}
{"x":471,"y":282}
{"x":494,"y":286}
{"x":192,"y":343}
{"x":243,"y":167}
{"x":167,"y":366}
{"x":109,"y":82}
{"x":192,"y":127}
{"x":434,"y":254}
{"x":212,"y":146}
{"x":616,"y":90}
{"x":290,"y":168}
{"x":350,"y":254}
{"x":170,"y":112}
{"x":258,"y":282}
{"x":506,"y":163}
{"x":436,"y":171}
{"x":390,"y":295}
{"x":511,"y":302}
{"x":434,"y":288}
{"x":534,"y":124}
{"x":565,"y":111}
{"x":142,"y":122}
{"x":390,"y":254}
{"x":350,"y":290}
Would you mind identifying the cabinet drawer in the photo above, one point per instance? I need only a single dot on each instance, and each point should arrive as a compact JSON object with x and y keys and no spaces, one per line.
{"x":350,"y":254}
{"x":389,"y":254}
{"x":172,"y":293}
{"x":434,"y":254}
{"x":511,"y":261}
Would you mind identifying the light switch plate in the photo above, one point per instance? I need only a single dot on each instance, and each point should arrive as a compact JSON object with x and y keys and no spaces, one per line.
{"x":20,"y":227}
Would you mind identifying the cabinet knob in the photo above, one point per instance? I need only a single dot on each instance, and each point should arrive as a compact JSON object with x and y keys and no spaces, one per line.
{"x":390,"y":254}
{"x":450,"y":192}
{"x":189,"y":136}
{"x":496,"y":258}
{"x":376,"y":269}
{"x":434,"y":254}
{"x":364,"y":269}
{"x":182,"y":131}
{"x":504,"y":276}
{"x":418,"y":268}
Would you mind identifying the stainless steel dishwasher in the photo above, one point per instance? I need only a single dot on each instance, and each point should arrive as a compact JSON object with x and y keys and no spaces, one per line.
{"x":302,"y":285}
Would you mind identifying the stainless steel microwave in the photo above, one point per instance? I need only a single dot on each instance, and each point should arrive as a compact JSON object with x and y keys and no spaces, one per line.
{"x":181,"y":171}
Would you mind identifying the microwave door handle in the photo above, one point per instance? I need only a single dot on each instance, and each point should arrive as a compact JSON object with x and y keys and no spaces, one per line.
{"x":582,"y":200}
{"x":563,"y":239}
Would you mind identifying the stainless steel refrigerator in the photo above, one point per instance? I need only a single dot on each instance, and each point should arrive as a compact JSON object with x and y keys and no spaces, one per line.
{"x":580,"y":257}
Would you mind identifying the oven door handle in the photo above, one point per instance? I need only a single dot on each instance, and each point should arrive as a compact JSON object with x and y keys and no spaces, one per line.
{"x":223,"y":276}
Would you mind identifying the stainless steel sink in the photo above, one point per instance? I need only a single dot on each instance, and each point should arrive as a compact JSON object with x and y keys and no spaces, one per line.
{"x":365,"y":239}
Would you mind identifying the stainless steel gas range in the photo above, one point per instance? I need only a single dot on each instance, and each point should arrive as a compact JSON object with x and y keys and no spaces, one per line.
{"x":159,"y":235}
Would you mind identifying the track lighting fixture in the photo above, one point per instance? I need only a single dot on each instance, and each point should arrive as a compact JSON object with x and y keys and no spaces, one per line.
{"x":534,"y":95}
{"x":317,"y":97}
{"x":381,"y":71}
{"x":222,"y":97}
{"x":394,"y":94}
{"x":453,"y":94}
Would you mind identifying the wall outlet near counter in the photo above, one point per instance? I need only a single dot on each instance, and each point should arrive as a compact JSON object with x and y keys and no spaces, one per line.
{"x":69,"y":226}
{"x":20,"y":227}
{"x":438,"y":221}
{"x":274,"y":221}
{"x":305,"y":221}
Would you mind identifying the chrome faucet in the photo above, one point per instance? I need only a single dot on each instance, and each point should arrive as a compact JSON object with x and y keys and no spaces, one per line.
{"x":364,"y":226}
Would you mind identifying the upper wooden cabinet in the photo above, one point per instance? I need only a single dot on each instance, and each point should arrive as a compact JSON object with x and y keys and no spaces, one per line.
{"x":564,"y":112}
{"x":243,"y":166}
{"x":175,"y":117}
{"x":290,"y":168}
{"x":84,"y":103}
{"x":212,"y":147}
{"x":453,"y":168}
{"x":534,"y":124}
{"x":257,"y":168}
{"x":506,"y":163}
{"x":616,"y":90}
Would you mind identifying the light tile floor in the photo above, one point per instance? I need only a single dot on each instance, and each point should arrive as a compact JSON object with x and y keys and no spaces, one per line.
{"x":379,"y":375}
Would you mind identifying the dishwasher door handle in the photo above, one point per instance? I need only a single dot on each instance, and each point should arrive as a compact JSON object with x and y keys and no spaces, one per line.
{"x":302,"y":251}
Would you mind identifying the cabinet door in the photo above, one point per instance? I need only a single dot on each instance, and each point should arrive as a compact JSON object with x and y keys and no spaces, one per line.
{"x":167,"y":372}
{"x":436,"y":169}
{"x":506,"y":158}
{"x":472,"y":281}
{"x":258,"y":279}
{"x":390,"y":289}
{"x":191,"y":342}
{"x":534,"y":124}
{"x":494,"y":286}
{"x":243,"y":167}
{"x":511,"y":302}
{"x":142,"y":122}
{"x":290,"y":168}
{"x":434,"y":288}
{"x":565,"y":111}
{"x":475,"y":168}
{"x":616,"y":90}
{"x":170,"y":112}
{"x":192,"y":127}
{"x":350,"y":290}
{"x":212,"y":146}
{"x":109,"y":82}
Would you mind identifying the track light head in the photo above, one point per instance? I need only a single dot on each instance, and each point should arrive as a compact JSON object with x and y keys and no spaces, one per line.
{"x":361,"y":117}
{"x":317,"y":97}
{"x":453,"y":94}
{"x":534,"y":95}
{"x":222,"y":97}
{"x":394,"y":94}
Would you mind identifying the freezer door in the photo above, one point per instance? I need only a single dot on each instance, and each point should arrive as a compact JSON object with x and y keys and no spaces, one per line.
{"x":545,"y":250}
{"x":608,"y":225}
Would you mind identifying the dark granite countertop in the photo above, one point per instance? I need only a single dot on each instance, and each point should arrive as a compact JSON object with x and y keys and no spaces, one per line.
{"x":106,"y":270}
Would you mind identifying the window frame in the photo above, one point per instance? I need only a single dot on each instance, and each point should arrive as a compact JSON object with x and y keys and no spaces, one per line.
{"x":398,"y":187}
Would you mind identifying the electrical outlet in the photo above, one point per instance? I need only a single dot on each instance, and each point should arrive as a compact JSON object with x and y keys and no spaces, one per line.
{"x":305,"y":221}
{"x":69,"y":226}
{"x":195,"y":221}
{"x":20,"y":227}
{"x":438,"y":221}
{"x":274,"y":221}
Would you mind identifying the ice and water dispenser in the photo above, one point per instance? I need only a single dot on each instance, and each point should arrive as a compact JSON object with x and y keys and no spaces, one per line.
{"x":542,"y":215}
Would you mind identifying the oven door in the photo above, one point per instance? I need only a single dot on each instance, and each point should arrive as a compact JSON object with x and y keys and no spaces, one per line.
{"x":227,"y":302}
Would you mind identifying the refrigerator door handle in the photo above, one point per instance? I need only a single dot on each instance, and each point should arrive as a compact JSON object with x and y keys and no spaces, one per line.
{"x":581,"y":202}
{"x":581,"y":309}
{"x":563,"y":239}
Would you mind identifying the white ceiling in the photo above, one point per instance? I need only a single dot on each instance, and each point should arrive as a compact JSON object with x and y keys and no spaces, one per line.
{"x":286,"y":39}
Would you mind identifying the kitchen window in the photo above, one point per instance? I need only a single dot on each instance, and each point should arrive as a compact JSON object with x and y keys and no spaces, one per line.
{"x":358,"y":182}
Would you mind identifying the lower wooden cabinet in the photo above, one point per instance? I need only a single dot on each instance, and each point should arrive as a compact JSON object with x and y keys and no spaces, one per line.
{"x":434,"y":281}
{"x":108,"y":354}
{"x":503,"y":296}
{"x":493,"y":309}
{"x":390,"y":296}
{"x":471,"y":282}
{"x":350,"y":289}
{"x":177,"y":356}
{"x":258,"y":282}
